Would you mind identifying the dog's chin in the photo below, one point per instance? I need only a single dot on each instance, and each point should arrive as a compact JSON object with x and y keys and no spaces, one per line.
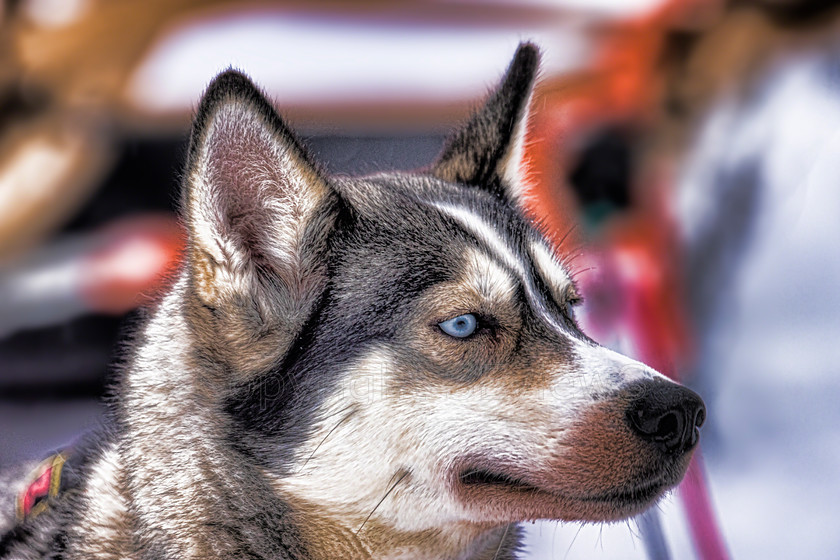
{"x":493,"y":494}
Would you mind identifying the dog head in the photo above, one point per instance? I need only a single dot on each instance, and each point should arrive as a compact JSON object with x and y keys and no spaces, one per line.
{"x":401,"y":349}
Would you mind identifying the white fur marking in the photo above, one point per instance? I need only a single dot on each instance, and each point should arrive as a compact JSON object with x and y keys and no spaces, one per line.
{"x":488,"y":278}
{"x":102,"y":484}
{"x":553,"y":272}
{"x":486,"y":233}
{"x":422,"y":431}
{"x":481,"y":229}
{"x":104,"y":510}
{"x":603,"y":365}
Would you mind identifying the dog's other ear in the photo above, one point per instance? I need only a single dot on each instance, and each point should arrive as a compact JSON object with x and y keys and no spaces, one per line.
{"x":487,"y":152}
{"x":258,"y":214}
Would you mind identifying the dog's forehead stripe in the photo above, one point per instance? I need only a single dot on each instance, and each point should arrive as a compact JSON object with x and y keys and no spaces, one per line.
{"x":548,"y":267}
{"x":486,"y":233}
{"x":488,"y":277}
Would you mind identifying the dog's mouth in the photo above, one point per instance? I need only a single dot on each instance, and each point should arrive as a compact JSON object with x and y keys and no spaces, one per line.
{"x":474,"y":477}
{"x":640,"y":492}
{"x":482,"y":485}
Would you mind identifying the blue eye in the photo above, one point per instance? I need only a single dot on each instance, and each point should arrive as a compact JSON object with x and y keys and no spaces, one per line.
{"x":461,"y":326}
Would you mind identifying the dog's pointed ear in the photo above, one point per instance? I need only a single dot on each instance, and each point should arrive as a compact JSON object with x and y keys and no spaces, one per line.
{"x":487,"y":152}
{"x":258,"y":214}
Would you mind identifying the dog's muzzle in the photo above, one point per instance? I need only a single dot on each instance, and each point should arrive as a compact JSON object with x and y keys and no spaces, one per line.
{"x":667,"y":415}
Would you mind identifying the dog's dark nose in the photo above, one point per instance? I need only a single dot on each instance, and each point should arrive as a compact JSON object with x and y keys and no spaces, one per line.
{"x":667,"y":415}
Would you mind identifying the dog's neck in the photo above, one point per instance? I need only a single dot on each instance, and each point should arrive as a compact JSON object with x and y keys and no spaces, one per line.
{"x":327,"y":537}
{"x":199,"y":498}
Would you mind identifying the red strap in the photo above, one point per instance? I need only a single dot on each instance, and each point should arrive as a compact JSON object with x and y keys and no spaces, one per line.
{"x":45,"y":483}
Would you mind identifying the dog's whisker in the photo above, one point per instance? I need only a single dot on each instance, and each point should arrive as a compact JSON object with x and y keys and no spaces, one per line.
{"x":570,"y":258}
{"x":379,"y":503}
{"x":571,"y":544}
{"x":334,"y":428}
{"x":337,"y":412}
{"x":577,"y":273}
{"x":566,"y":235}
{"x":501,"y":542}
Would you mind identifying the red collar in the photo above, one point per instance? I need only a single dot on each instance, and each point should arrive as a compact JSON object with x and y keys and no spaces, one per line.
{"x":44,"y":483}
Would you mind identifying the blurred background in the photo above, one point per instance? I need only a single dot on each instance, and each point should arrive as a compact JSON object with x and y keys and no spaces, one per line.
{"x":684,"y":155}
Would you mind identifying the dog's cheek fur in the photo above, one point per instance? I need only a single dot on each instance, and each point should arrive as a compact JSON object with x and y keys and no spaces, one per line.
{"x":378,"y":424}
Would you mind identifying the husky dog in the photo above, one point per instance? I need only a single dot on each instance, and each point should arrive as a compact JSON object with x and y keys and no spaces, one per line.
{"x":376,"y":367}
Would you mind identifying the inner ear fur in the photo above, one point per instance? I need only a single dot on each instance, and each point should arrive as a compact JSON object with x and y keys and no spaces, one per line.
{"x":487,"y":151}
{"x":258,"y":213}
